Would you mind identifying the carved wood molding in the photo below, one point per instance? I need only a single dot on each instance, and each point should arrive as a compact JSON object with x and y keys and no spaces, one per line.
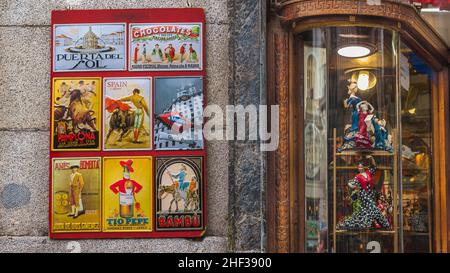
{"x":405,"y":15}
{"x":282,"y":154}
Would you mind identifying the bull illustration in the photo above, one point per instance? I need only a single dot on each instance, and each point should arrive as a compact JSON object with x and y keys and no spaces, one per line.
{"x":78,"y":113}
{"x":121,"y":121}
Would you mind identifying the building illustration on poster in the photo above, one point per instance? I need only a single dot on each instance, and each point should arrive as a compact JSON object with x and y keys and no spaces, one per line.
{"x":126,"y":114}
{"x":127,"y":194}
{"x":165,"y":47}
{"x":86,"y":47}
{"x":76,"y":195}
{"x":179,"y":189}
{"x":178,"y":113}
{"x":75,"y":114}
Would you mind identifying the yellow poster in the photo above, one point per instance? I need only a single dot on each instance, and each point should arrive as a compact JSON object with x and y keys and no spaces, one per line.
{"x":76,"y":114}
{"x":76,"y":200}
{"x":127,"y":194}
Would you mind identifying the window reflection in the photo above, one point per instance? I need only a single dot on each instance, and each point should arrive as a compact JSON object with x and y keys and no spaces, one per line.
{"x":416,"y":151}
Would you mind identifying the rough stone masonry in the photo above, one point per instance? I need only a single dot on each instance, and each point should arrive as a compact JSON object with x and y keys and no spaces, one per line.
{"x":24,"y":128}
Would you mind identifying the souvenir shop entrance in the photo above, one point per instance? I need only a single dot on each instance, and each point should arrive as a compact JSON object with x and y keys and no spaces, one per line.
{"x":362,"y":163}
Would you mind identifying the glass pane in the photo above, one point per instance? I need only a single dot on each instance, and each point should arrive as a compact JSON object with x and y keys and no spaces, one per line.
{"x":367,"y":142}
{"x":315,"y":135}
{"x":350,"y":113}
{"x":363,"y":113}
{"x":417,"y":143}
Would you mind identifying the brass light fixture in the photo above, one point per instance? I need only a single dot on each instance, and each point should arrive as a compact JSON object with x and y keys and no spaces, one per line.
{"x":364,"y":77}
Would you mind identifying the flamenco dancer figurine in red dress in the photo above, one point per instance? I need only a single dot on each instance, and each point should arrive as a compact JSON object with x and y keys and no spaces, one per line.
{"x":368,"y":215}
{"x":365,"y":111}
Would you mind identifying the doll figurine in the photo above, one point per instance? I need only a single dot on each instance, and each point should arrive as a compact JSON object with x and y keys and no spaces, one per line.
{"x":365,"y":111}
{"x":366,"y":131}
{"x":351,"y":102}
{"x":368,"y":215}
{"x":382,"y":141}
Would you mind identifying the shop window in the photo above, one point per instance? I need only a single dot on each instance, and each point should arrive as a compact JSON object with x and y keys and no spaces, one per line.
{"x":416,"y":116}
{"x":367,"y":142}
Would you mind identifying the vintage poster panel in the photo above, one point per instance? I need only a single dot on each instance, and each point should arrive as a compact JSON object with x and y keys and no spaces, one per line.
{"x":76,"y":195}
{"x":179,"y":191}
{"x":178,"y":114}
{"x":89,"y":47}
{"x":76,"y":114}
{"x":126,"y":114}
{"x":127,"y":194}
{"x":167,"y":46}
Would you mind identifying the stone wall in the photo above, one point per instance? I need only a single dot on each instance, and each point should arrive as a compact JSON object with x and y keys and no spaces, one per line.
{"x":24,"y":127}
{"x":247,"y":86}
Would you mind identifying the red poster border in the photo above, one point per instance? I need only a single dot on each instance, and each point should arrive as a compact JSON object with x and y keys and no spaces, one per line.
{"x":155,"y":15}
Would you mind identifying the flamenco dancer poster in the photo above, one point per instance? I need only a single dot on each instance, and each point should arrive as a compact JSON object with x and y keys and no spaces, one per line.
{"x":75,"y":114}
{"x":165,"y":47}
{"x":127,"y":118}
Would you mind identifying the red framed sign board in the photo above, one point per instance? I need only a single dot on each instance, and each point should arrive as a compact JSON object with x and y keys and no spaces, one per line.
{"x":127,"y":152}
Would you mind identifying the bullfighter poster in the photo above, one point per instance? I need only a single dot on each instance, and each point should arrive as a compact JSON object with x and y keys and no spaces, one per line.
{"x":89,"y":47}
{"x":75,"y":114}
{"x":178,"y":119}
{"x":179,"y":191}
{"x":76,"y":195}
{"x":156,"y":47}
{"x":126,"y":114}
{"x":127,"y":194}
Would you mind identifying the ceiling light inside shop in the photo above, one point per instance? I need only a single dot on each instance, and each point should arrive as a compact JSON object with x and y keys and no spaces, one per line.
{"x":354,"y":51}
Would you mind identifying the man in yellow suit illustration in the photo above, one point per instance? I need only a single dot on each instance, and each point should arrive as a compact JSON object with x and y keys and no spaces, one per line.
{"x":76,"y":187}
{"x":141,"y":106}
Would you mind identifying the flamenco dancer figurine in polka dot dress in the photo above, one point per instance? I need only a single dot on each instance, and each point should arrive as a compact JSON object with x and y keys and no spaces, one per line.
{"x":366,"y":215}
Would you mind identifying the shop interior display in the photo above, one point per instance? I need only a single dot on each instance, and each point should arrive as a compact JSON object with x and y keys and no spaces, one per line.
{"x":366,"y":131}
{"x":367,"y":139}
{"x":368,"y":206}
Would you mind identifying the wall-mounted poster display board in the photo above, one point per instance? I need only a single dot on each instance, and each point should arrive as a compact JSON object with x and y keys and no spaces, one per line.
{"x":127,"y":152}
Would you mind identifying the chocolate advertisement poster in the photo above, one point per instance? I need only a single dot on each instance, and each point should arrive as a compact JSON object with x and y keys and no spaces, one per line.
{"x":178,"y":114}
{"x":89,"y":47}
{"x":179,"y":191}
{"x":127,"y":194}
{"x":76,"y":114}
{"x":126,"y":114}
{"x":76,"y":195}
{"x":167,"y":46}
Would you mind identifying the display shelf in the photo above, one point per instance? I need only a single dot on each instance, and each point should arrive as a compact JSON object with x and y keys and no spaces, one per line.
{"x":353,"y":232}
{"x":356,"y":168}
{"x":364,"y":152}
{"x":416,"y":233}
{"x":426,"y":170}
